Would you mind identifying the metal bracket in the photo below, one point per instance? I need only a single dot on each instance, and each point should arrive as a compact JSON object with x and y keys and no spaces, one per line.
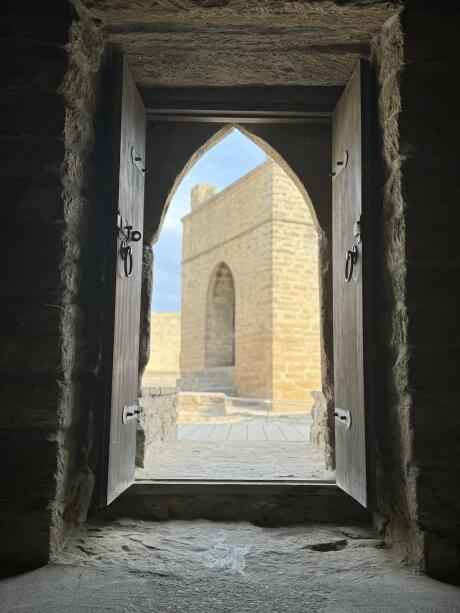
{"x":138,"y":163}
{"x":340,"y":165}
{"x":343,"y":417}
{"x":130,"y":413}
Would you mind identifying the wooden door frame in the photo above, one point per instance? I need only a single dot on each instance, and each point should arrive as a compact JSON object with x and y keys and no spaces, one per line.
{"x":235,"y":105}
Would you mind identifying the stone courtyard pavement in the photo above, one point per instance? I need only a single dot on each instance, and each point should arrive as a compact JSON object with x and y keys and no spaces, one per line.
{"x":252,"y":445}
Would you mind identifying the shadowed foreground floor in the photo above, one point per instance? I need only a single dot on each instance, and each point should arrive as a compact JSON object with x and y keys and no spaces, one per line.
{"x":199,"y":566}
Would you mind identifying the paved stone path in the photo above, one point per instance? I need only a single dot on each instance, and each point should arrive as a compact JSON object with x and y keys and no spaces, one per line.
{"x":272,"y":431}
{"x":247,"y":445}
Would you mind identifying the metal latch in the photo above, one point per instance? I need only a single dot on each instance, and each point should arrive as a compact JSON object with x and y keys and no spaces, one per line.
{"x":357,"y":230}
{"x":344,"y":417}
{"x":130,"y":413}
{"x":127,"y":235}
{"x":138,"y":163}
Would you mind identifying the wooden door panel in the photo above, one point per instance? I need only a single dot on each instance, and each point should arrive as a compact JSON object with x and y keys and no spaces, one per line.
{"x":351,"y":229}
{"x":125,"y":276}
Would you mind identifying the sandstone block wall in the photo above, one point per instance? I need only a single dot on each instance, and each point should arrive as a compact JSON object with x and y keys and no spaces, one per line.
{"x":261,"y":229}
{"x":295,"y":294}
{"x":163,"y":367}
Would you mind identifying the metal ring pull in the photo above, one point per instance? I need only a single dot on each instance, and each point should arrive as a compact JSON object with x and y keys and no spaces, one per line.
{"x":350,"y":261}
{"x":127,"y":257}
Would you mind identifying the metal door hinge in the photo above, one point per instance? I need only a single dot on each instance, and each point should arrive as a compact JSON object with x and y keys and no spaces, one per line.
{"x":131,"y":412}
{"x":344,"y":417}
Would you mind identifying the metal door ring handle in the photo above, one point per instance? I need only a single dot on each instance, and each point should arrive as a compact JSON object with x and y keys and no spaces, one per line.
{"x":350,"y":261}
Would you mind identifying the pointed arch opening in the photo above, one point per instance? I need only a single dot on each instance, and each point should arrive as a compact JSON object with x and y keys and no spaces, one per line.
{"x":249,"y":257}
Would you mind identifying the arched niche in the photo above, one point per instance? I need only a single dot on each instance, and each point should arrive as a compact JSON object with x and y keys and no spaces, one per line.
{"x":220,"y":318}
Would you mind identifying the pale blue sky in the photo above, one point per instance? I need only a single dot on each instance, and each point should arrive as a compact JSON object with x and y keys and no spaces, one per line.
{"x":230,"y":159}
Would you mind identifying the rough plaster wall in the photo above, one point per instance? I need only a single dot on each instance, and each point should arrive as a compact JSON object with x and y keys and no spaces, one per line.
{"x":231,"y":42}
{"x":397,"y":487}
{"x":80,"y":349}
{"x":48,"y":86}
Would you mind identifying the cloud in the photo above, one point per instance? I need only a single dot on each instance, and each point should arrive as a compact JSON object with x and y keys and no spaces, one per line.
{"x":230,"y":159}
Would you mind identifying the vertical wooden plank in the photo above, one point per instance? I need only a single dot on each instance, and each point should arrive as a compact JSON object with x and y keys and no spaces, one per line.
{"x":128,"y":135}
{"x":352,"y":330}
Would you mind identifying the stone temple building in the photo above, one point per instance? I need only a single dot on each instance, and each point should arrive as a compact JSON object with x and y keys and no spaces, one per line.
{"x":250,"y":296}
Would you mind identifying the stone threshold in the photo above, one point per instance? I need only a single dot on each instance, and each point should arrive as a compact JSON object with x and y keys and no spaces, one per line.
{"x":291,"y":487}
{"x":260,"y":502}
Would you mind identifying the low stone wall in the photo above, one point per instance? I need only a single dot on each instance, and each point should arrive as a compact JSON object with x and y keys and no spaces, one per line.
{"x":318,"y":430}
{"x":158,"y":424}
{"x":194,"y":406}
{"x":159,"y":379}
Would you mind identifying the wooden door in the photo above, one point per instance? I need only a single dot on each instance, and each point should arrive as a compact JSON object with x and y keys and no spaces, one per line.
{"x":352,"y":275}
{"x":128,"y":133}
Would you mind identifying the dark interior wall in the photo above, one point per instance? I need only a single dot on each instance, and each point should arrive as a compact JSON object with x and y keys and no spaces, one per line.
{"x":305,"y":152}
{"x":430,"y":132}
{"x":418,"y":425}
{"x":50,"y":59}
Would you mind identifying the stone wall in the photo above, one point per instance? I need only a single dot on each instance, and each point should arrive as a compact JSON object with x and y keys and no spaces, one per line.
{"x":50,"y":62}
{"x":419,"y":420}
{"x":158,"y":424}
{"x":261,"y":230}
{"x":163,"y":368}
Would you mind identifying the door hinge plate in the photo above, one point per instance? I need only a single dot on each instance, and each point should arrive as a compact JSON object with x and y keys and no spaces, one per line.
{"x":343,"y":417}
{"x":131,"y":412}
